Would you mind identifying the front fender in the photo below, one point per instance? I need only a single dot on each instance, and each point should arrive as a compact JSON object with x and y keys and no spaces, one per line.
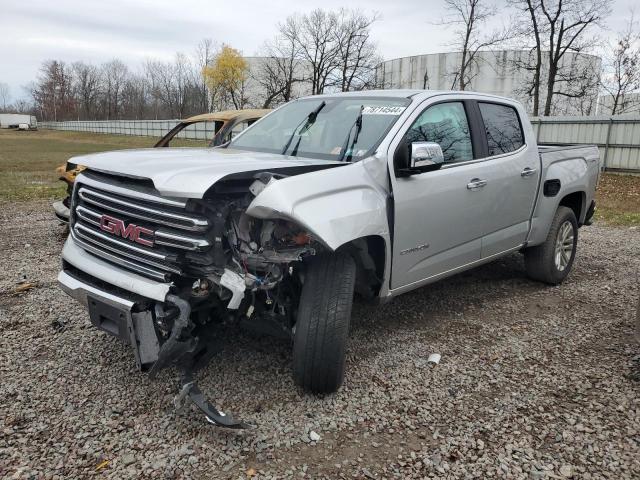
{"x":336,"y":205}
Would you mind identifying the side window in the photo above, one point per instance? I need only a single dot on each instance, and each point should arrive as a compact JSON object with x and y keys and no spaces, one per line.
{"x":502,"y":126}
{"x":445,"y":124}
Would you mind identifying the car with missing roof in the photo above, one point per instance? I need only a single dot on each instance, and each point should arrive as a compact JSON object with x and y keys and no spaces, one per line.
{"x":372,"y":193}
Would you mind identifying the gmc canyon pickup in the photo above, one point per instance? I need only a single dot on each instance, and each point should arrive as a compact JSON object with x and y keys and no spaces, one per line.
{"x":375,"y":193}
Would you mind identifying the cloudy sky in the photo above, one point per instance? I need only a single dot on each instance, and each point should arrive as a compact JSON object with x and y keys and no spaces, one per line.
{"x":133,"y":30}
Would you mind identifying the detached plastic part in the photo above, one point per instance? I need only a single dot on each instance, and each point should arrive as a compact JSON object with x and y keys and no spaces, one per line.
{"x":181,"y":349}
{"x":235,"y":283}
{"x":189,"y":389}
{"x":434,"y":358}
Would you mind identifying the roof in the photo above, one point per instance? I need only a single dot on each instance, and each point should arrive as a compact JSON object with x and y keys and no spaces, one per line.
{"x":399,"y":93}
{"x":405,"y":93}
{"x":226,"y":115}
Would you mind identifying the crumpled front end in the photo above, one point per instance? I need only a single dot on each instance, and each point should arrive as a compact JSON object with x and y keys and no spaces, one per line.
{"x":166,"y":274}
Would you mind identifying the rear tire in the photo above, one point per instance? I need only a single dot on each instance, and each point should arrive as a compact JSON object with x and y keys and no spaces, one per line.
{"x":322,"y":326}
{"x":552,"y":261}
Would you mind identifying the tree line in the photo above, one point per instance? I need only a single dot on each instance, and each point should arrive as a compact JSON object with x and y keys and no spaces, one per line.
{"x":325,"y":51}
{"x":311,"y":53}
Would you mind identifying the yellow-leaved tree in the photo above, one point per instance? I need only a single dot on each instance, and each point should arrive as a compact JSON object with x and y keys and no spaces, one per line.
{"x":226,"y":75}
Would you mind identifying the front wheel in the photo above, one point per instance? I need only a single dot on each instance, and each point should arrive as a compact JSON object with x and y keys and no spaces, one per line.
{"x":551,"y":262}
{"x":322,"y":325}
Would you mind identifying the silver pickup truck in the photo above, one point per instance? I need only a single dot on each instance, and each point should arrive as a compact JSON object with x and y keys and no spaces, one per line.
{"x":375,"y":193}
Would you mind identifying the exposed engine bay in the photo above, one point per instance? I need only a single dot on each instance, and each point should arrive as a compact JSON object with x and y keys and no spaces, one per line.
{"x":251,"y":275}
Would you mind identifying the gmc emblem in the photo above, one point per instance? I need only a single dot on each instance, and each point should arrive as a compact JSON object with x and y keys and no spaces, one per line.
{"x":131,"y":232}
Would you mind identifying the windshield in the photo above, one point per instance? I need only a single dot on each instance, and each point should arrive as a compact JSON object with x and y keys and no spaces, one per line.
{"x":333,"y":131}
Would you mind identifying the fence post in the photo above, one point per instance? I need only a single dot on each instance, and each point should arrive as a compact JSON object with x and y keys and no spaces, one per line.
{"x":606,"y":145}
{"x":539,"y":123}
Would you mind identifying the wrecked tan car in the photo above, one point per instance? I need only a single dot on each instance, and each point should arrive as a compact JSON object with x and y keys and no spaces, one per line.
{"x":227,"y":123}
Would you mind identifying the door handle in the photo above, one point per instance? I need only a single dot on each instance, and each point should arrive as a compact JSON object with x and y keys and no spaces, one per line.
{"x":476,"y":184}
{"x":527,"y":172}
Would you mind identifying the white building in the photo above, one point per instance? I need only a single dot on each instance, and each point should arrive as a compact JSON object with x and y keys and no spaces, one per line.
{"x":499,"y":73}
{"x":627,"y":104}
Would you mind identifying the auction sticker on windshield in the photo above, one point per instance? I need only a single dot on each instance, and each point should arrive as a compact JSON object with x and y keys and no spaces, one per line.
{"x":383,"y":110}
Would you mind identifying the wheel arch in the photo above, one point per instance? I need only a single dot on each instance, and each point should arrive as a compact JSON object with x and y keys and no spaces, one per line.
{"x":370,"y":254}
{"x":576,"y":202}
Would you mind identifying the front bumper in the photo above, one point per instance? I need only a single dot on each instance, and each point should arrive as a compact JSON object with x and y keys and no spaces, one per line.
{"x":119,"y":302}
{"x":81,"y":291}
{"x":61,"y":211}
{"x":122,"y":304}
{"x":113,"y":275}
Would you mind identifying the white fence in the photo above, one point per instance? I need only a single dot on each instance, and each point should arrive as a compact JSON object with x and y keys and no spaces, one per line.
{"x":144,"y":128}
{"x":618,"y":137}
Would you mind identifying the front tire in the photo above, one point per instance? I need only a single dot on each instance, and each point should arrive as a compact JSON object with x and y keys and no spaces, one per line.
{"x":322,"y":326}
{"x":552,"y":261}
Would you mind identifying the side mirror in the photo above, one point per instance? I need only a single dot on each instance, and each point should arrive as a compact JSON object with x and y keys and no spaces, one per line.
{"x":426,"y":156}
{"x":417,"y":157}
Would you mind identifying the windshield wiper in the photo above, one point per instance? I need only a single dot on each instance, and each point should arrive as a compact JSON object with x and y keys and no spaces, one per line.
{"x":303,"y":127}
{"x":358,"y":126}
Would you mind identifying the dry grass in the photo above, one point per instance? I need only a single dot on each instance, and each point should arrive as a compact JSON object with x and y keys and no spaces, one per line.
{"x":618,"y":199}
{"x":28,"y":159}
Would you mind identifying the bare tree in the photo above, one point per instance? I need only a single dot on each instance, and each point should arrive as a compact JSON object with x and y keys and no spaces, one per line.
{"x":52,"y":92}
{"x":470,"y":16}
{"x":169,"y":85}
{"x":135,"y":98}
{"x":279,"y":70}
{"x":315,"y":35}
{"x":22,"y":106}
{"x":333,"y":49}
{"x":568,"y":24}
{"x":5,"y":95}
{"x":553,"y":29}
{"x":357,"y":53}
{"x":622,"y":69}
{"x":527,"y":28}
{"x":205,"y":54}
{"x":577,"y":83}
{"x":86,"y":79}
{"x":114,"y":77}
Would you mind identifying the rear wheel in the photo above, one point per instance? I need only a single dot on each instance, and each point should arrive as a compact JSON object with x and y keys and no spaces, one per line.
{"x":322,"y":326}
{"x":552,"y":261}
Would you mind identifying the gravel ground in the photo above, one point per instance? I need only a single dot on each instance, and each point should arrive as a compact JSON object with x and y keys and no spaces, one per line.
{"x":535,"y":381}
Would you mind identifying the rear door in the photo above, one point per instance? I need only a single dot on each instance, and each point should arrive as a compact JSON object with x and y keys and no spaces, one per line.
{"x":512,"y":174}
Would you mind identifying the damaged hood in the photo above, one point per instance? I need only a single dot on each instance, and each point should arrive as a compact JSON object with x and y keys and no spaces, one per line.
{"x":190,"y":172}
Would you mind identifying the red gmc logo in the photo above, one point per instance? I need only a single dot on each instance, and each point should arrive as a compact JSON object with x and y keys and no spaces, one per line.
{"x":130,"y":232}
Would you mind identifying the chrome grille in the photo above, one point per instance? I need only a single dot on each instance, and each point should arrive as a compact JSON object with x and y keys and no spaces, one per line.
{"x":175,"y":231}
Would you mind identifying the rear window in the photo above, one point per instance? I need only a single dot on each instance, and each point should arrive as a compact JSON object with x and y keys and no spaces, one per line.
{"x":502,"y":126}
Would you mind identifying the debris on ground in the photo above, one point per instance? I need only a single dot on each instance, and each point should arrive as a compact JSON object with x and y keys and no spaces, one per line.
{"x":23,"y":286}
{"x":59,"y":325}
{"x":434,"y":358}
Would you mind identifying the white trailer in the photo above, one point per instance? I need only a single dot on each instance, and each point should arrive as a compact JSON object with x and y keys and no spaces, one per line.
{"x":14,"y":120}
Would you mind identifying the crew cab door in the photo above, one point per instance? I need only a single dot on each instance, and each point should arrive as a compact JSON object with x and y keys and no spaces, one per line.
{"x":512,"y":175}
{"x":439,"y":215}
